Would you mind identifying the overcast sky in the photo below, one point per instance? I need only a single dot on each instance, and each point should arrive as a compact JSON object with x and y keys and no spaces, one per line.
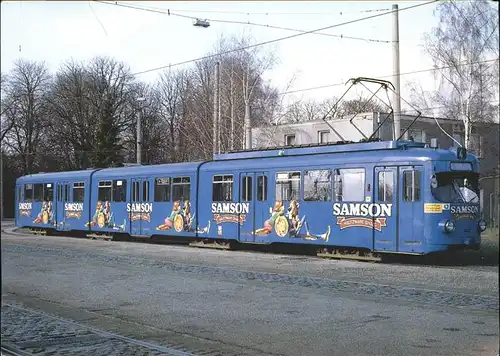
{"x":57,"y":31}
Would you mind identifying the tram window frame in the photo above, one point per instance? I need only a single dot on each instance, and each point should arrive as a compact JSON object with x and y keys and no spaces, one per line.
{"x":38,"y":192}
{"x":222,"y":187}
{"x":246,"y":188}
{"x":104,"y":188}
{"x":48,"y":192}
{"x":382,"y":186}
{"x":261,"y":188}
{"x":312,"y":185}
{"x":162,"y":189}
{"x":340,"y":191}
{"x":293,"y":178}
{"x":78,"y":192}
{"x":28,"y":192}
{"x":411,"y":191}
{"x":181,"y":188}
{"x":135,"y":196}
{"x":119,"y":194}
{"x":145,"y":191}
{"x":66,"y":192}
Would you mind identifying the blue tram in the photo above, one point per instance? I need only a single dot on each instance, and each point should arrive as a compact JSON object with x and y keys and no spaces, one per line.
{"x":377,"y":197}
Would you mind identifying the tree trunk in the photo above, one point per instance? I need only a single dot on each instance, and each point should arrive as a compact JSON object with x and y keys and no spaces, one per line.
{"x":248,"y":126}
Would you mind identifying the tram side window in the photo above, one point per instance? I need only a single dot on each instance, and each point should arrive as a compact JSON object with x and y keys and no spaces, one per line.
{"x":28,"y":192}
{"x":181,"y":187}
{"x":104,"y":191}
{"x":48,"y":192}
{"x":349,"y":184}
{"x":287,"y":185}
{"x":222,"y":188}
{"x":19,"y":194}
{"x":162,"y":189}
{"x":385,"y":186}
{"x":261,"y":188}
{"x":78,"y":191}
{"x":119,"y":190}
{"x":38,"y":192}
{"x":317,"y":185}
{"x":135,"y":191}
{"x":246,"y":188}
{"x":145,"y":190}
{"x":411,"y":185}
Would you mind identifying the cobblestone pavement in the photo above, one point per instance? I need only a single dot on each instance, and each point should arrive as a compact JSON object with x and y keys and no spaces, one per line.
{"x":254,"y":304}
{"x":38,"y":333}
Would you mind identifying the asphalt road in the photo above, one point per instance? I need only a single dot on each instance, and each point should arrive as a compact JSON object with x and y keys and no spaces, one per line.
{"x":255,"y":304}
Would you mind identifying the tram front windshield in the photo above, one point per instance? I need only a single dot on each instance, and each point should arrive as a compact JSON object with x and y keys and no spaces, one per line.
{"x":456,"y":187}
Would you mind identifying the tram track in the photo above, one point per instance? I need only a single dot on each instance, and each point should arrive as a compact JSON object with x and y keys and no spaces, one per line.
{"x":27,"y":332}
{"x":289,"y":253}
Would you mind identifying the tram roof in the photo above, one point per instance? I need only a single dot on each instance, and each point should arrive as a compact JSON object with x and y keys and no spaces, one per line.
{"x":312,"y":149}
{"x":50,"y":176}
{"x":146,"y":170}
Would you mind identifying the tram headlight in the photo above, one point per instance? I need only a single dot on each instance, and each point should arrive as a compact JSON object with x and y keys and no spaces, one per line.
{"x":449,"y":226}
{"x":481,"y":225}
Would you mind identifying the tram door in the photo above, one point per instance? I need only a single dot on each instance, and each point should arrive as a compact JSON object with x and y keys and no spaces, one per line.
{"x":385,"y":225}
{"x":138,"y":212}
{"x":410,"y":211}
{"x":252,"y":197}
{"x":62,"y":196}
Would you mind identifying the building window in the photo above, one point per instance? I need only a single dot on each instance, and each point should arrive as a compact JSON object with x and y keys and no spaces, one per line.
{"x":287,"y":185}
{"x":416,"y":135}
{"x":323,"y":136}
{"x":317,"y":185}
{"x":475,"y":143}
{"x":289,"y":140}
{"x":349,"y":184}
{"x":222,"y":188}
{"x":78,"y":191}
{"x":458,"y":137}
{"x":181,"y":187}
{"x":162,"y":189}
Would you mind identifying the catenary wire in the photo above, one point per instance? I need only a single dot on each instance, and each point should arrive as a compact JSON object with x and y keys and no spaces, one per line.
{"x":266,"y":13}
{"x":172,"y":13}
{"x":385,"y":76}
{"x":279,"y":39}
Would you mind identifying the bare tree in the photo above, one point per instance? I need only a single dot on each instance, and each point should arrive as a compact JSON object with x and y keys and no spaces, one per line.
{"x":26,"y":92}
{"x":91,"y":106}
{"x":462,"y":47}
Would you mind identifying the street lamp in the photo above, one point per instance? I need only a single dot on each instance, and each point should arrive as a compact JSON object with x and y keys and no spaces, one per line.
{"x":139,"y":131}
{"x":201,"y":23}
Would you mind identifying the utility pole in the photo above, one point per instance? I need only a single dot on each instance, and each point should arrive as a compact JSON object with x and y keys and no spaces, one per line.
{"x":396,"y":73}
{"x":1,"y":186}
{"x":216,"y":109}
{"x":139,"y":131}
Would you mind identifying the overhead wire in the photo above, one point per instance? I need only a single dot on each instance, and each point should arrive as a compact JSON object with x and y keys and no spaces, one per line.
{"x":276,"y":39}
{"x":267,"y":13}
{"x":386,"y":76}
{"x":172,"y":13}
